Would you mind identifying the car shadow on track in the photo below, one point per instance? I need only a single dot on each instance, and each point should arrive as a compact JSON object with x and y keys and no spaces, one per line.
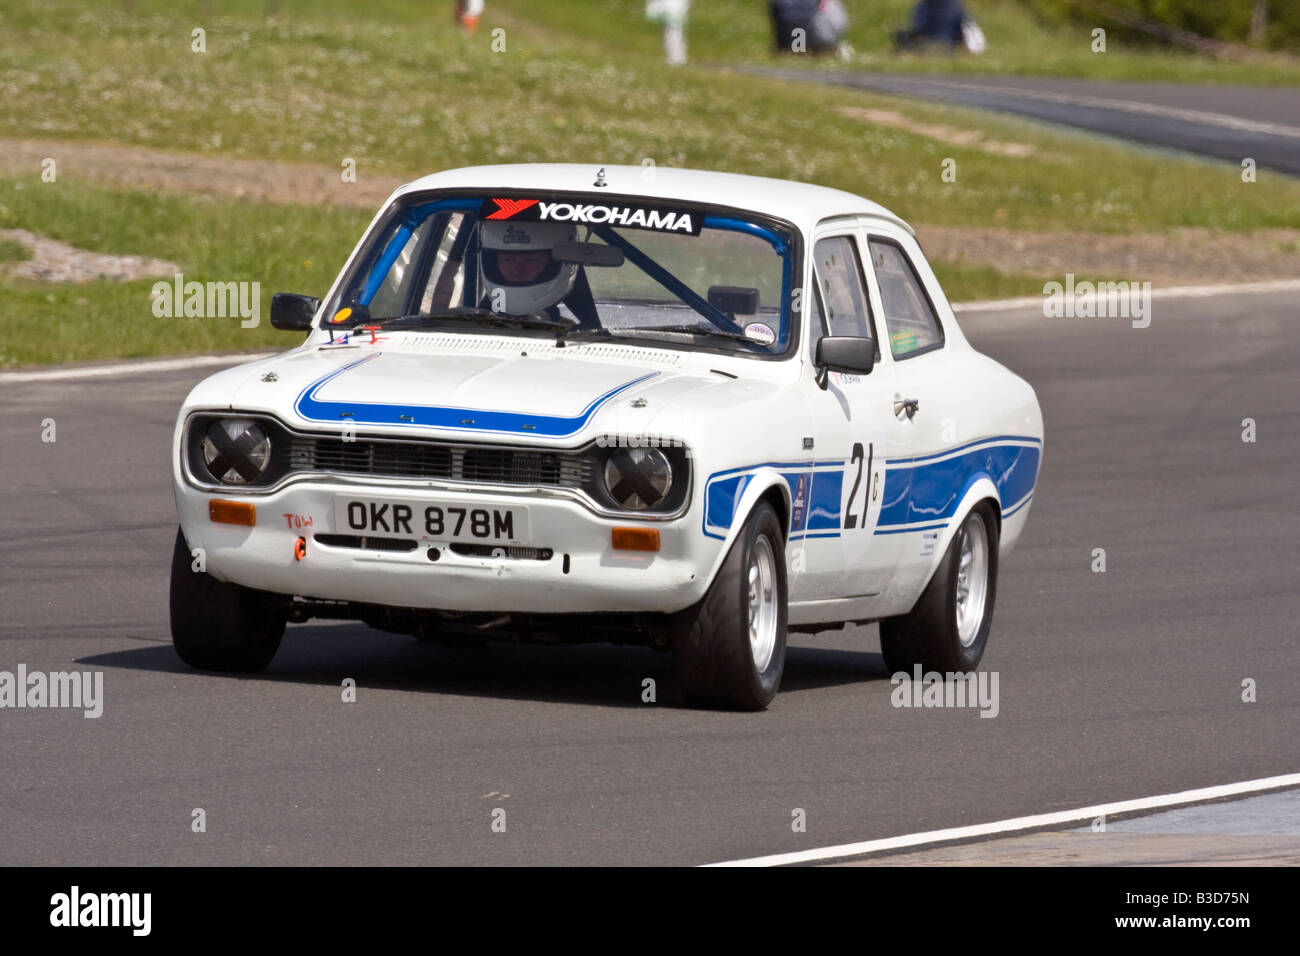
{"x":596,"y":674}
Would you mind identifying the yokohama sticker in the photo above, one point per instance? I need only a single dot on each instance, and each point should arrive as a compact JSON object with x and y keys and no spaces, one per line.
{"x":655,"y":218}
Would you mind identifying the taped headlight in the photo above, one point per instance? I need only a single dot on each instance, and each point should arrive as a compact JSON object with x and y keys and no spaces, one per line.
{"x":236,"y":451}
{"x":638,"y":478}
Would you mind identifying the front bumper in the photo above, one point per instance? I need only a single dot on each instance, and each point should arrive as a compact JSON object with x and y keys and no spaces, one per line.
{"x":584,"y":573}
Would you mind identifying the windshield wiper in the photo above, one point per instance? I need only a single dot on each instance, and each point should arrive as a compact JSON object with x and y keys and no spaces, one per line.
{"x":695,"y":330}
{"x":472,"y":316}
{"x":570,"y":333}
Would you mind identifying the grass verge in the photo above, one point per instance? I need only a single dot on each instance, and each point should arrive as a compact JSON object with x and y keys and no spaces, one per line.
{"x":284,"y":248}
{"x":403,"y":93}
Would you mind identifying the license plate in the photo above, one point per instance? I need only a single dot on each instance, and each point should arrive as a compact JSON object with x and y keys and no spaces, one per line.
{"x":436,"y":521}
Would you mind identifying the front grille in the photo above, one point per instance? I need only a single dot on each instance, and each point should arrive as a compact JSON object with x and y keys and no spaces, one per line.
{"x":366,"y":544}
{"x":468,"y":463}
{"x":503,"y":551}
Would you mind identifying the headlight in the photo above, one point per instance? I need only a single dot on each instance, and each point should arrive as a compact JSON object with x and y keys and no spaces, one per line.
{"x":638,"y":478}
{"x":236,"y":451}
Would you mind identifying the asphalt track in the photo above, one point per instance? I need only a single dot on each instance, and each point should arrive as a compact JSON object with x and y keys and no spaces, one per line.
{"x":1113,"y":685}
{"x":1224,"y":122}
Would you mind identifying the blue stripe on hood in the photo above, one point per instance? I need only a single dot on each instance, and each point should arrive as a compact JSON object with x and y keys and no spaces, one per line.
{"x":314,"y":409}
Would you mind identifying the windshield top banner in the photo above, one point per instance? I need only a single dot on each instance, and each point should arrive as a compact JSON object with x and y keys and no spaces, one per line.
{"x":638,"y":216}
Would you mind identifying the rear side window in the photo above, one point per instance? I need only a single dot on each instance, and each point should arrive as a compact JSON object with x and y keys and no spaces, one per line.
{"x":839,"y":278}
{"x":909,"y":316}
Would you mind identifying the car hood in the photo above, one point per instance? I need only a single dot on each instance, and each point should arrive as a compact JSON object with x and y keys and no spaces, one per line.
{"x":473,"y":388}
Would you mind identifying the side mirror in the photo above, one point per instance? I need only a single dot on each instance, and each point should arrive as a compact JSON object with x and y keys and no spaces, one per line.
{"x":846,"y":353}
{"x":293,"y":313}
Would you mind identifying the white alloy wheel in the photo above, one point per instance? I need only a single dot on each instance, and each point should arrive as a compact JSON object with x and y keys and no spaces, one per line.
{"x":972,"y":578}
{"x":762,"y":603}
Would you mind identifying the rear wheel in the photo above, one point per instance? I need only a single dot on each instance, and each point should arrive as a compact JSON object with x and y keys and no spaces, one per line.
{"x":729,"y":649}
{"x":949,"y":627}
{"x":219,"y":626}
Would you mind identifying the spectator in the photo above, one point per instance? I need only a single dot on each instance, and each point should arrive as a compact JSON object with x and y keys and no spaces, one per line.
{"x":933,"y":21}
{"x":672,"y":14}
{"x":813,"y":26}
{"x":468,"y":12}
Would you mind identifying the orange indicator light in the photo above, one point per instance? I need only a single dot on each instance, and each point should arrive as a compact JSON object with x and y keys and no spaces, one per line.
{"x":636,"y":539}
{"x":232,"y":512}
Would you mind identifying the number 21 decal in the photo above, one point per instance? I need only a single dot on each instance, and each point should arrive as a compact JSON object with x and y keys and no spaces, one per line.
{"x":850,"y":515}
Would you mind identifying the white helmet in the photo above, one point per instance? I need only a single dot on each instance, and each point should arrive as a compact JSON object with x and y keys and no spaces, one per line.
{"x":539,"y":291}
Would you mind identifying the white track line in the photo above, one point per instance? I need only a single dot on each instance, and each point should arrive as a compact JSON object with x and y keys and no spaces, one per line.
{"x":1021,"y":823}
{"x":1173,"y":292}
{"x":130,"y":368}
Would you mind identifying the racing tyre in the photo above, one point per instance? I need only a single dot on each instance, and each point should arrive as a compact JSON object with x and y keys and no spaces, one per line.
{"x":949,"y":627}
{"x":729,"y":649}
{"x":218,"y":626}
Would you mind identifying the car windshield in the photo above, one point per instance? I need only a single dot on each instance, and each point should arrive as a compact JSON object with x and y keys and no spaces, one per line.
{"x":622,"y":268}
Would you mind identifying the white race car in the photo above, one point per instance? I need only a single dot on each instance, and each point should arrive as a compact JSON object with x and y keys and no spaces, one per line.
{"x":554,"y":402}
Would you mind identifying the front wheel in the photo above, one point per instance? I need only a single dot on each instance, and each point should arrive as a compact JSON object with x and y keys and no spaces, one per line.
{"x":219,"y":626}
{"x":949,"y":627}
{"x":729,"y":649}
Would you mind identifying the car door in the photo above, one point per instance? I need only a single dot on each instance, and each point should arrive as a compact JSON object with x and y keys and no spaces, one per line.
{"x":854,"y":433}
{"x":914,"y":339}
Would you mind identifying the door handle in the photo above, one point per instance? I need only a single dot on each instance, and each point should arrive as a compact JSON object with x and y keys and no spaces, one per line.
{"x":909,"y":405}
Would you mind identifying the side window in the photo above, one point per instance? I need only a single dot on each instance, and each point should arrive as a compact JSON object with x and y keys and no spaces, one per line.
{"x":839,"y":279}
{"x":445,"y":288}
{"x":909,"y":317}
{"x":387,"y":301}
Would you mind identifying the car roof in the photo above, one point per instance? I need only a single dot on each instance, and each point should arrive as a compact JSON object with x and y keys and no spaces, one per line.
{"x":800,"y":203}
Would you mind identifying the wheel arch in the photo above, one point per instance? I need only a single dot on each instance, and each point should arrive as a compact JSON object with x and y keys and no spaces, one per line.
{"x":766,"y":485}
{"x":778,"y":496}
{"x":980,"y":489}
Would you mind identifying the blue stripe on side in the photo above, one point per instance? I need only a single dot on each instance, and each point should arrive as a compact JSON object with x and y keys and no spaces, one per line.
{"x":824,"y":502}
{"x":898,"y":484}
{"x":919,"y":493}
{"x":1008,"y":514}
{"x":722,"y":499}
{"x":799,"y":483}
{"x":311,"y":408}
{"x":724,"y":490}
{"x":938,"y":486}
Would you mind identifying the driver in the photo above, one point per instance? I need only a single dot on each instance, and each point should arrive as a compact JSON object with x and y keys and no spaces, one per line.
{"x":517,"y":273}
